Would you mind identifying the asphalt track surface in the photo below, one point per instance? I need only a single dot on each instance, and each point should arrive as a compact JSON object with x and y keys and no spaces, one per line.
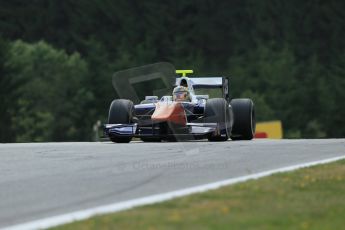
{"x":47,"y":179}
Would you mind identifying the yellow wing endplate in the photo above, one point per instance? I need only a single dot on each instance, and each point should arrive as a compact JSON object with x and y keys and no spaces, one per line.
{"x":184,"y":72}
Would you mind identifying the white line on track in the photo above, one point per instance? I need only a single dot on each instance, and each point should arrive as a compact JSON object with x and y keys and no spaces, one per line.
{"x":120,"y":206}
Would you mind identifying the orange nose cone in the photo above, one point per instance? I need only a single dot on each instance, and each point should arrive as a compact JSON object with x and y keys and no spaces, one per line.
{"x":173,"y":112}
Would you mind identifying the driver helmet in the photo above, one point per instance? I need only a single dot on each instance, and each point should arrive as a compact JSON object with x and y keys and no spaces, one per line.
{"x":181,"y":93}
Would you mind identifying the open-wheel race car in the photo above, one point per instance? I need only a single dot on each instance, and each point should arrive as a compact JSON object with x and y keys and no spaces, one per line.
{"x":184,"y":114}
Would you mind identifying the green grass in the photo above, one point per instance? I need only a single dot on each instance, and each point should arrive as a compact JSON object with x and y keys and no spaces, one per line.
{"x":310,"y":198}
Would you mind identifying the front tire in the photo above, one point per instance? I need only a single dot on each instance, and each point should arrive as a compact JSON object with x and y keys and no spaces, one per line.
{"x":217,"y":110}
{"x":244,"y":119}
{"x":120,"y":112}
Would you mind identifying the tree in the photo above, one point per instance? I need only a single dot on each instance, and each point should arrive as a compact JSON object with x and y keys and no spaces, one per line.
{"x":54,"y":103}
{"x":8,"y":94}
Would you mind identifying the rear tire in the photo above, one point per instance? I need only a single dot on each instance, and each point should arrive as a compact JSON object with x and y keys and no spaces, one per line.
{"x":244,"y":119}
{"x":217,"y":111}
{"x":120,"y":112}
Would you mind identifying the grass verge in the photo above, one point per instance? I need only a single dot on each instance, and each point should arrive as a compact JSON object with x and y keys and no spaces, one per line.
{"x":310,"y":198}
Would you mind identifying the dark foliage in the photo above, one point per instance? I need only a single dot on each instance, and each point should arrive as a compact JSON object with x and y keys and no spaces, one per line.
{"x":289,"y":56}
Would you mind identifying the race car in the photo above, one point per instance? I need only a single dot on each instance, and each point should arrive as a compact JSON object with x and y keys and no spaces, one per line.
{"x":183,"y":115}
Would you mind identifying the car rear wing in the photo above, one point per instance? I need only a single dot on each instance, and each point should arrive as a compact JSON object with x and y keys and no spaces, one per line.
{"x":209,"y":83}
